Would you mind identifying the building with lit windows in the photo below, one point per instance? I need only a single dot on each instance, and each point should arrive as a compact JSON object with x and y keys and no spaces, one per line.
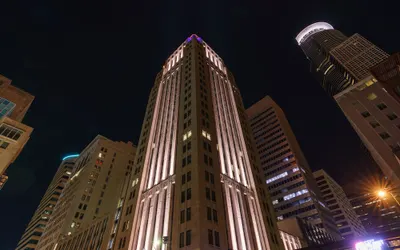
{"x":291,"y":185}
{"x":343,"y":66}
{"x":377,"y":215}
{"x":14,"y":103}
{"x":39,"y":220}
{"x":198,"y":185}
{"x":88,"y":210}
{"x":342,"y":211}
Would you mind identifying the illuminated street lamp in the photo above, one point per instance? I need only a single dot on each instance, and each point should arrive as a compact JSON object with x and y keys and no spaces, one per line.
{"x":383,"y":194}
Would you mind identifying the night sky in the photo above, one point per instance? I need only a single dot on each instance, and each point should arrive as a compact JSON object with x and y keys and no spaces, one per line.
{"x":91,"y":65}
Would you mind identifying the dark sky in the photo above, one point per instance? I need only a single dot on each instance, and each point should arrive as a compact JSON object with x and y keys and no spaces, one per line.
{"x":91,"y":65}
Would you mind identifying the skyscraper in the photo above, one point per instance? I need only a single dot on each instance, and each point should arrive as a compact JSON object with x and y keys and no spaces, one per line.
{"x":85,"y":213}
{"x":290,"y":181}
{"x":197,"y":184}
{"x":337,"y":61}
{"x":343,"y":68}
{"x":39,"y":220}
{"x":14,"y":103}
{"x":335,"y":198}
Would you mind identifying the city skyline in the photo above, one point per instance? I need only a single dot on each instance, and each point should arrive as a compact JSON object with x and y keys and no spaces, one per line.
{"x":31,"y":70}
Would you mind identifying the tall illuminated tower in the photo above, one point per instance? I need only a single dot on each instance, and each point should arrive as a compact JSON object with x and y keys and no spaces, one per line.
{"x":196,"y":181}
{"x":40,"y":218}
{"x":337,"y":61}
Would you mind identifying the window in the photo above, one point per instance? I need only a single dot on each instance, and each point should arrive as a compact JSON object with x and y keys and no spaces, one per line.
{"x":216,"y":234}
{"x":208,"y":193}
{"x":381,"y":106}
{"x":182,"y":196}
{"x":189,"y":159}
{"x":189,"y":146}
{"x":384,"y":135}
{"x":184,"y":148}
{"x":210,"y":237}
{"x":188,"y":237}
{"x":189,"y":176}
{"x":365,"y":114}
{"x":392,"y":116}
{"x":371,"y":96}
{"x":207,"y":176}
{"x":183,"y":179}
{"x":206,"y":159}
{"x":4,"y":144}
{"x":209,"y":213}
{"x":189,"y":194}
{"x":181,"y":240}
{"x":10,"y":132}
{"x":188,"y":214}
{"x":374,"y":124}
{"x":215,"y":216}
{"x":213,"y":196}
{"x":211,"y":178}
{"x":182,"y":216}
{"x":184,"y":162}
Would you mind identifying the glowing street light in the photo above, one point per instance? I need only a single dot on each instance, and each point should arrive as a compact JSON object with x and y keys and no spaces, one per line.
{"x":381,"y":193}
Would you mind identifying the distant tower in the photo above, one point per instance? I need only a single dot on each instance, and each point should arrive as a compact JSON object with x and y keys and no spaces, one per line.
{"x":14,"y":103}
{"x":337,"y":61}
{"x":39,"y":220}
{"x":88,"y":210}
{"x":345,"y":217}
{"x":199,"y":186}
{"x":343,"y":68}
{"x":292,"y":187}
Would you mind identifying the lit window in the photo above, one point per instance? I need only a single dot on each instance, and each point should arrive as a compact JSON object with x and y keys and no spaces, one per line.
{"x":280,"y":217}
{"x":73,"y":225}
{"x":295,"y":169}
{"x":204,"y":133}
{"x":274,"y":202}
{"x":371,"y":96}
{"x":100,"y":155}
{"x":292,"y":195}
{"x":184,"y":137}
{"x":189,"y":134}
{"x":277,"y":177}
{"x":68,"y":173}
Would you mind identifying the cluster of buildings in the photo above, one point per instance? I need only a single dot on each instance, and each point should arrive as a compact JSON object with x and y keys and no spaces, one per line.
{"x":209,"y":174}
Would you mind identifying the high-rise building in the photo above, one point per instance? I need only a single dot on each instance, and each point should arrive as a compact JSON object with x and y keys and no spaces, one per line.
{"x":343,"y":68}
{"x":342,"y":211}
{"x":378,"y":215}
{"x":87,"y":210}
{"x":196,"y":179}
{"x":290,"y":182}
{"x":337,"y":61}
{"x":14,"y":103}
{"x":39,"y":220}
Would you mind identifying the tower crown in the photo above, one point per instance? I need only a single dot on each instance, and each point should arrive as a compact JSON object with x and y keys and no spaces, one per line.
{"x":312,"y":29}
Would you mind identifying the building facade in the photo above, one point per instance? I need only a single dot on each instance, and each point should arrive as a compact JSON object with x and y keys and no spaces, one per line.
{"x":14,"y":103}
{"x":377,"y":215}
{"x":342,"y":211}
{"x":374,"y":115}
{"x":387,"y":73}
{"x":196,"y":183}
{"x":39,"y":220}
{"x":91,"y":197}
{"x":343,"y":67}
{"x":291,"y":185}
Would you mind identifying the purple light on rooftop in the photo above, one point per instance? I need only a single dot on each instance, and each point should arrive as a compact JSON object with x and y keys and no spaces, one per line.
{"x":199,"y":39}
{"x":189,"y":39}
